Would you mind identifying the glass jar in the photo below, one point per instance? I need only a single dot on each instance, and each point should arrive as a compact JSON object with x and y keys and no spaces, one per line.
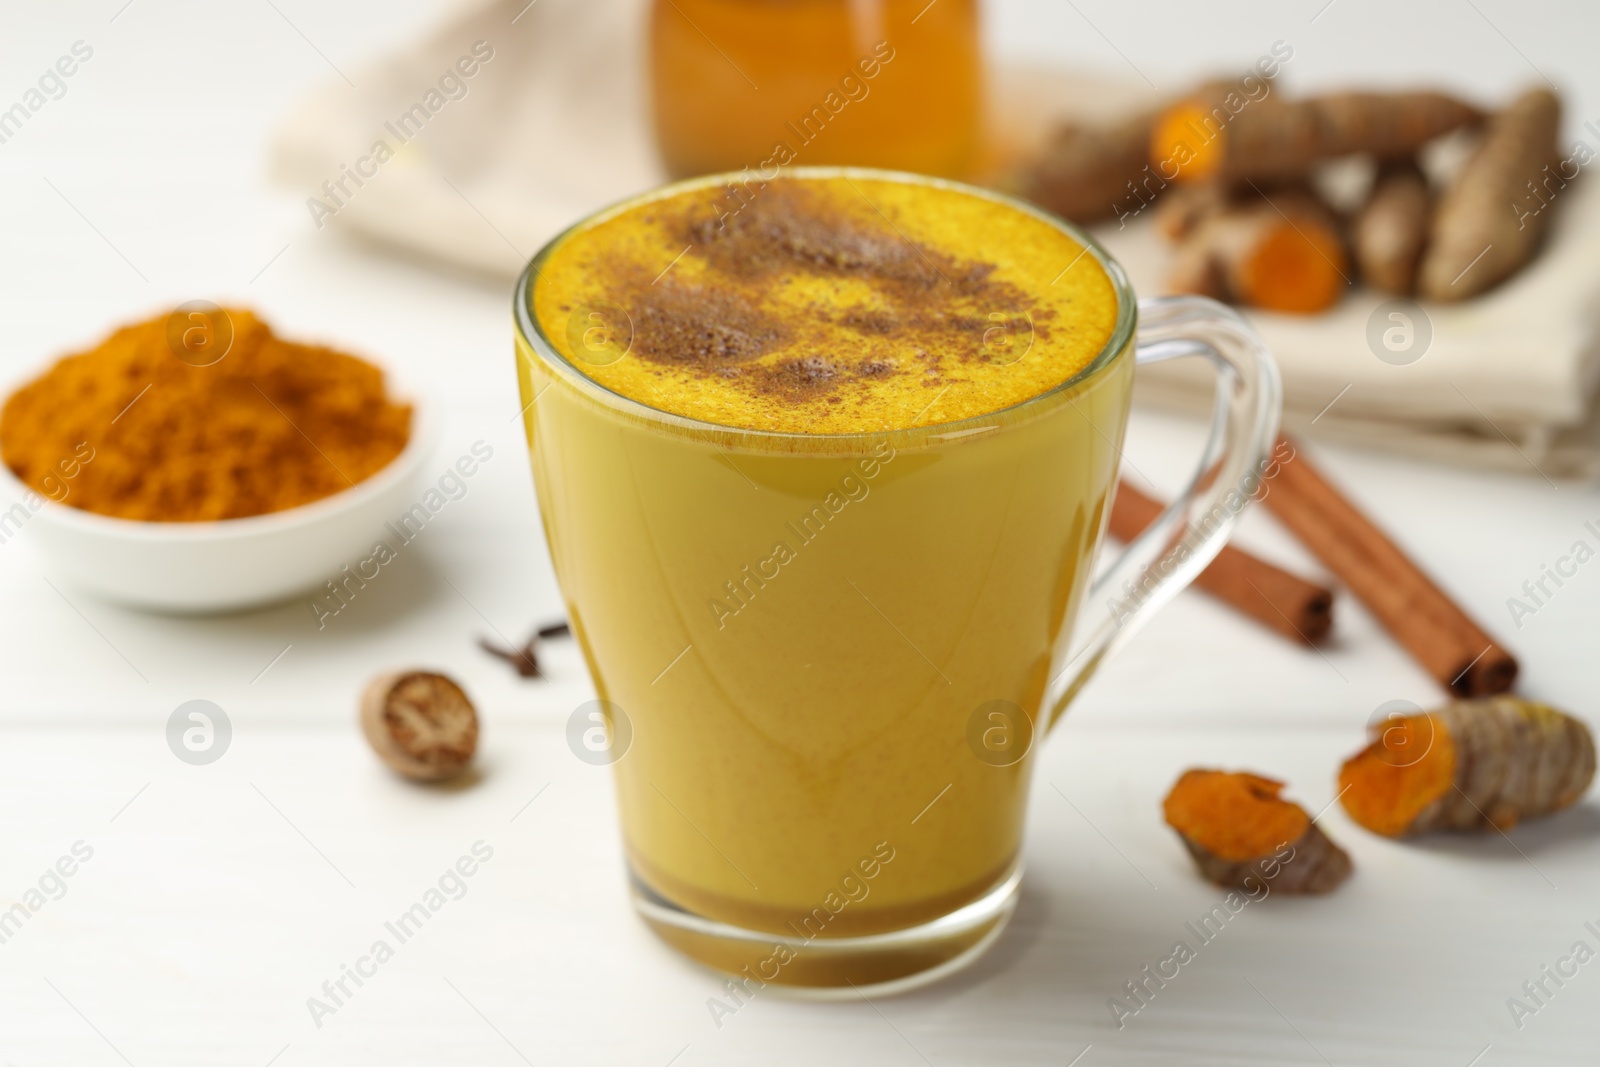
{"x":769,"y":83}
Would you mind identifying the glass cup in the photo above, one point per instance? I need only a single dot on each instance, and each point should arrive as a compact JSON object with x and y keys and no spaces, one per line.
{"x":825,"y":662}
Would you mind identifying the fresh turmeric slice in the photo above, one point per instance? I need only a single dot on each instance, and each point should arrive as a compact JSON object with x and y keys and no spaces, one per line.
{"x":1199,"y":139}
{"x":1471,"y":765}
{"x":1237,"y":829}
{"x":1491,"y":218}
{"x":1282,"y":252}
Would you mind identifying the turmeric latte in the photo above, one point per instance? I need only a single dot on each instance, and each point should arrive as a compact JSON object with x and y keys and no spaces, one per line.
{"x":840,"y":618}
{"x":825,"y":304}
{"x":199,"y":416}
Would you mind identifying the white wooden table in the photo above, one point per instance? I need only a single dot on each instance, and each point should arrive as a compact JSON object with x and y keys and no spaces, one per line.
{"x":218,"y":898}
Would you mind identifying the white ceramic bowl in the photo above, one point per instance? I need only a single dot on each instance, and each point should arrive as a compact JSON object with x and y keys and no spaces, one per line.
{"x":200,"y":567}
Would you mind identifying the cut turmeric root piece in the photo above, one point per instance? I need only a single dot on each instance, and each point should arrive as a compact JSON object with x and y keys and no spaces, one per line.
{"x":1184,"y":144}
{"x":1203,"y":138}
{"x":1471,"y":765}
{"x":1238,"y":829}
{"x":1278,"y":255}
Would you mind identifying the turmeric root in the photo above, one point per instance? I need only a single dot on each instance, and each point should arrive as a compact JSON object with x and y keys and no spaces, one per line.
{"x":1470,"y":766}
{"x":1200,"y":139}
{"x":1236,"y":828}
{"x":1183,"y":209}
{"x":1484,"y":230}
{"x":1282,"y":254}
{"x":1391,"y":228}
{"x":1089,"y":172}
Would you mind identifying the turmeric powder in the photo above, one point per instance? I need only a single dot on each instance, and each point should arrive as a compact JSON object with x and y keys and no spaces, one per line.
{"x":1472,"y":765}
{"x":1237,"y":828}
{"x":182,"y":434}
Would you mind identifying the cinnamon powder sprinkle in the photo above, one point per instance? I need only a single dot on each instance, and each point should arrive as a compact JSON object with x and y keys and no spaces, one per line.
{"x":767,"y":306}
{"x":700,"y":327}
{"x":790,"y":231}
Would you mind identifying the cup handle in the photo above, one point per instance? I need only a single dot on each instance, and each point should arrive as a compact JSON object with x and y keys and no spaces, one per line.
{"x":1167,"y":556}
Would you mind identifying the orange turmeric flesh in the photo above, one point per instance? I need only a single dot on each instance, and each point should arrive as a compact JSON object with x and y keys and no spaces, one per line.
{"x":1234,"y":816}
{"x":1181,"y":145}
{"x":1410,"y":765}
{"x":1293,"y":268}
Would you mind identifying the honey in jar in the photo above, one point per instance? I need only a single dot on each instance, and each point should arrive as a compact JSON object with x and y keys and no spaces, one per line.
{"x":769,"y":83}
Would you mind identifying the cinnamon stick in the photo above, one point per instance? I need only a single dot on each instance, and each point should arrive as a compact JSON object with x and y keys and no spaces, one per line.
{"x":1439,"y":635}
{"x":1298,"y":609}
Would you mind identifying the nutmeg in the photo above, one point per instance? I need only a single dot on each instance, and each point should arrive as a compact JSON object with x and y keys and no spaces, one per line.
{"x":420,"y":724}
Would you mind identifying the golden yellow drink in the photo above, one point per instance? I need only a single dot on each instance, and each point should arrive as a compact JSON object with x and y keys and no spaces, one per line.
{"x":822,"y":478}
